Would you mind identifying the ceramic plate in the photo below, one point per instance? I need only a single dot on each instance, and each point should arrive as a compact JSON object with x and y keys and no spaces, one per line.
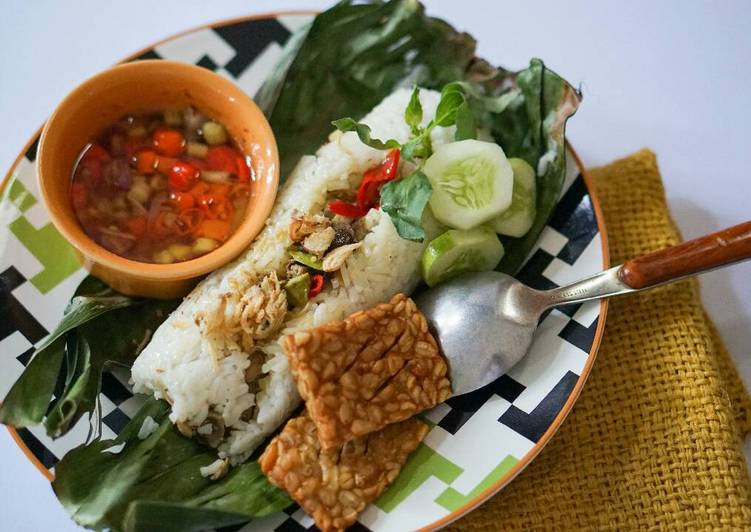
{"x":478,"y":442}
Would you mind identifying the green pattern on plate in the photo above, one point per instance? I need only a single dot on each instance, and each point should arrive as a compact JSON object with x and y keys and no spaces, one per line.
{"x":453,"y":500}
{"x":19,"y":195}
{"x":421,"y":465}
{"x":46,"y":244}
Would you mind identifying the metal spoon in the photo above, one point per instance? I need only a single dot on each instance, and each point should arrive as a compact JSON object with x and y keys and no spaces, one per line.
{"x":485,"y":322}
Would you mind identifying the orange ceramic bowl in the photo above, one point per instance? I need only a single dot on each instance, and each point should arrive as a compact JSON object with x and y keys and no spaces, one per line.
{"x":144,"y":86}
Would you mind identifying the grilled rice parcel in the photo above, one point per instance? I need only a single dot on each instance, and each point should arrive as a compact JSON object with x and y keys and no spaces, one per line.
{"x":218,"y":359}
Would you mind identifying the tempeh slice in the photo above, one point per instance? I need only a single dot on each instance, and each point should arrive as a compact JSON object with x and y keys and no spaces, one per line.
{"x":377,"y":367}
{"x":334,"y":486}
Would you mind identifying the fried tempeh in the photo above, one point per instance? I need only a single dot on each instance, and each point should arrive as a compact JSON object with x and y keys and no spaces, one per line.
{"x":334,"y":486}
{"x":376,"y":367}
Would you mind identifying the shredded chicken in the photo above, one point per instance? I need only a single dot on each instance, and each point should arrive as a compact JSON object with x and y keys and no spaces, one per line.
{"x":262,"y":308}
{"x":305,"y":225}
{"x":252,"y":311}
{"x":334,"y":259}
{"x":319,"y":242}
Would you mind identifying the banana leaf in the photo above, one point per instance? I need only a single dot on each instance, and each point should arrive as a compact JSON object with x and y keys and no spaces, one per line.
{"x":526,"y":114}
{"x":134,"y":484}
{"x":101,"y":329}
{"x":357,"y":53}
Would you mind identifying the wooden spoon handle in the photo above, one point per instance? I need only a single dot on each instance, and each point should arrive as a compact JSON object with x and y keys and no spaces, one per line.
{"x":689,"y":258}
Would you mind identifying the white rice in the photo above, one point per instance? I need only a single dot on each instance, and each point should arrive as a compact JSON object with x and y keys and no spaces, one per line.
{"x":199,"y":373}
{"x":215,"y":469}
{"x":148,"y":427}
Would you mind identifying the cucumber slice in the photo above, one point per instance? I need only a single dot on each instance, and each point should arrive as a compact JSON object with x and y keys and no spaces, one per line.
{"x":519,"y":217}
{"x":472,"y":182}
{"x":455,"y":252}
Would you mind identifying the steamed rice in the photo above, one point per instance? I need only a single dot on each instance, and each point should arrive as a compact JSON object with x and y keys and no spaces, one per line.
{"x":198,"y":357}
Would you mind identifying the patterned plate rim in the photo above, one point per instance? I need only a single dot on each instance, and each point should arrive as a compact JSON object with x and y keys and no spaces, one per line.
{"x":573,"y":396}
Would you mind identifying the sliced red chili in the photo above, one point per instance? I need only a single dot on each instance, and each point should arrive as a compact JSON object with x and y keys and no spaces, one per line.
{"x":367,"y":194}
{"x":215,"y":206}
{"x":182,"y":176}
{"x":168,"y":142}
{"x":222,"y":158}
{"x":316,"y":285}
{"x":348,"y":210}
{"x":183,"y":200}
{"x":137,"y":226}
{"x":146,"y":162}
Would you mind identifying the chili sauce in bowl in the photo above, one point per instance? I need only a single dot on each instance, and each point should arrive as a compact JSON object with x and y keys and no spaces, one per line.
{"x":161,"y":187}
{"x":157,"y":172}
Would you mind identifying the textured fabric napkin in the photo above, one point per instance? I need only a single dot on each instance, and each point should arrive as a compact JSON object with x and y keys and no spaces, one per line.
{"x":654,"y":441}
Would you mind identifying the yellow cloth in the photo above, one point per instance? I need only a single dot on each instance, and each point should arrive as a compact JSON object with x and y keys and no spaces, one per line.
{"x":654,"y":441}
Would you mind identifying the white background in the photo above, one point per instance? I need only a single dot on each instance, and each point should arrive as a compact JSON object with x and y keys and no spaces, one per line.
{"x":671,"y":76}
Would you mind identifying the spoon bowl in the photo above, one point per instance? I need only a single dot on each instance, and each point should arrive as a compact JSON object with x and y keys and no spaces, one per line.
{"x":485,"y":322}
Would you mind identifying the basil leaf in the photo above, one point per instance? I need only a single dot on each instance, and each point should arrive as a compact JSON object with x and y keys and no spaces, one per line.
{"x":404,"y":201}
{"x":157,"y":480}
{"x":445,"y":113}
{"x":363,"y":132}
{"x":466,"y":126}
{"x":454,"y":86}
{"x":413,"y":113}
{"x":415,"y":147}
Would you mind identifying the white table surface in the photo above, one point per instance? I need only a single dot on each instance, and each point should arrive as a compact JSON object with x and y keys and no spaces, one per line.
{"x":672,"y":76}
